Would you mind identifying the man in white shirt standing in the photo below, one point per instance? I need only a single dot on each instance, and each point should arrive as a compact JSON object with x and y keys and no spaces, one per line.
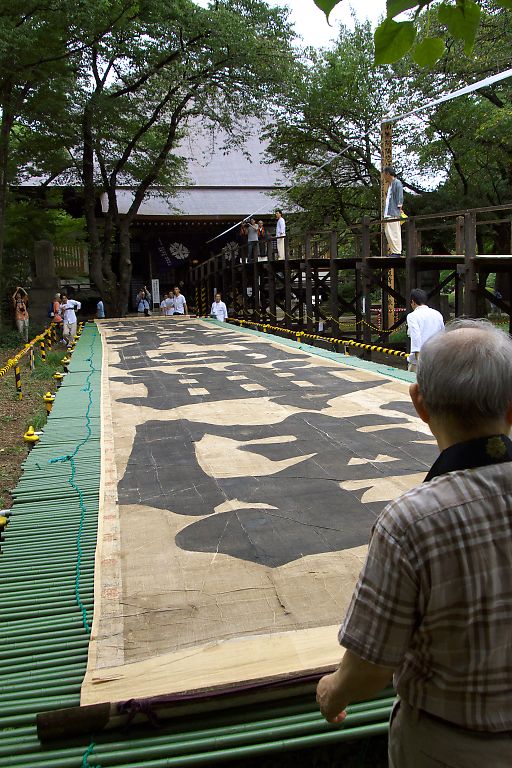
{"x":180,"y":303}
{"x":219,"y":309}
{"x":280,"y":234}
{"x":422,"y":323}
{"x":69,"y":322}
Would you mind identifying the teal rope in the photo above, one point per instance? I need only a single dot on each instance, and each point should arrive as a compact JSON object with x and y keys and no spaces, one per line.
{"x":86,"y":755}
{"x":71,"y":480}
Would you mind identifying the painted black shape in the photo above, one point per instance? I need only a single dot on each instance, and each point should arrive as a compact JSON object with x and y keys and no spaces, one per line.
{"x":261,"y":537}
{"x":313,"y":514}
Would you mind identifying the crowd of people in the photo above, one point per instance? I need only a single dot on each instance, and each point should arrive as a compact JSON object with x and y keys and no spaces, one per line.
{"x":61,"y":311}
{"x":173,"y":303}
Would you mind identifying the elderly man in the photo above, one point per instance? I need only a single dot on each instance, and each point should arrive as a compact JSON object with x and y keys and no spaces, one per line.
{"x":393,"y":210}
{"x":219,"y":309}
{"x":433,"y":604}
{"x":422,"y":323}
{"x":280,"y":234}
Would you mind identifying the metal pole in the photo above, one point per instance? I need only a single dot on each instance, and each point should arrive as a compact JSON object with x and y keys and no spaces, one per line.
{"x":17,"y":378}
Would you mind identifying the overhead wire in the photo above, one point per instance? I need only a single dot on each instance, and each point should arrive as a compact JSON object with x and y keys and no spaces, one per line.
{"x":484,"y":83}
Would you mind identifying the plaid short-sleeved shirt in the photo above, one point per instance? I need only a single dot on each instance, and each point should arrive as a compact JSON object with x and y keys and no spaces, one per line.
{"x":434,"y":599}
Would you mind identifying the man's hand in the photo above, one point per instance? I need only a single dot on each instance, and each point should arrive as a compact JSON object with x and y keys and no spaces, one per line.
{"x":354,"y":680}
{"x":329,"y":699}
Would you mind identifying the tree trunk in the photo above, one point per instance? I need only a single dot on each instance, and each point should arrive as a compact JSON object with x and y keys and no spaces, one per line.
{"x":95,"y":250}
{"x":5,"y":135}
{"x":100,"y":246}
{"x":125,"y":264}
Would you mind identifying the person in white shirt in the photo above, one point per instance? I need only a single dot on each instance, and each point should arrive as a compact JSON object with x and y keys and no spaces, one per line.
{"x":180,"y":303}
{"x":422,"y":323}
{"x":219,"y":309}
{"x":69,"y":322}
{"x":167,"y":305}
{"x":280,"y":234}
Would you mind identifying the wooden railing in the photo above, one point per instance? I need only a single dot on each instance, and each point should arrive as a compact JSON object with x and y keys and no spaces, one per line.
{"x":71,"y":260}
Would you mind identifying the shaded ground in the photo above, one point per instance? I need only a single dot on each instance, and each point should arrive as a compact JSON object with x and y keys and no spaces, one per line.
{"x":16,"y":416}
{"x":367,"y":753}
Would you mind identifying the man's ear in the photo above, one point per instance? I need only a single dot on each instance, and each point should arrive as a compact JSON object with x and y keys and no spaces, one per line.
{"x":419,"y":403}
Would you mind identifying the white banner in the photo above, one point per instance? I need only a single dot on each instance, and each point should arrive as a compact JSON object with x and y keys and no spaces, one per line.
{"x":155,"y":292}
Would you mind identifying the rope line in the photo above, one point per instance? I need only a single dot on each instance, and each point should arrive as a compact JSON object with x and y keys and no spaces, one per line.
{"x":29,"y":346}
{"x":71,"y":481}
{"x":341,"y":326}
{"x":85,"y":757}
{"x":300,"y":335}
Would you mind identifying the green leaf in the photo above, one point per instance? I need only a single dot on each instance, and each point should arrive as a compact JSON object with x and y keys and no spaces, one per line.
{"x":461,"y":21}
{"x":392,"y":40}
{"x":326,"y":6}
{"x":394,"y":7}
{"x":428,"y":51}
{"x":504,"y":4}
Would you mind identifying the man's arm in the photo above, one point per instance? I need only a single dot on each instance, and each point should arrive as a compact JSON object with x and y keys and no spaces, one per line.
{"x":354,"y":680}
{"x":414,"y":332}
{"x":399,"y":194}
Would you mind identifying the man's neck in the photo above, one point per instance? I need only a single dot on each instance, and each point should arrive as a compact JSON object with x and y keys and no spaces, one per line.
{"x":453,"y":436}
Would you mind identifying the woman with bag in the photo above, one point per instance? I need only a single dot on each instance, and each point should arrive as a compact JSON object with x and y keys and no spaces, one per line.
{"x":143,"y":305}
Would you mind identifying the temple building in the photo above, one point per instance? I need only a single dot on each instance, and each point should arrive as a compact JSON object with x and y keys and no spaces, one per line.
{"x":172,"y":232}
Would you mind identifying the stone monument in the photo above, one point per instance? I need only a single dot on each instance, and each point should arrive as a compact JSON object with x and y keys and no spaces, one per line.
{"x":45,"y":284}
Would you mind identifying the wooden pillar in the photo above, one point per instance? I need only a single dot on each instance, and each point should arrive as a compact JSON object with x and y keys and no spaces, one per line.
{"x":309,"y":283}
{"x":365,"y":281}
{"x":411,"y":276}
{"x":218,"y":276}
{"x":333,"y":279}
{"x":243,"y":267}
{"x":271,"y":283}
{"x":256,"y":290}
{"x":461,"y":269}
{"x":227,"y":288}
{"x":470,"y":273}
{"x":459,"y":290}
{"x":386,"y":143}
{"x":316,"y":282}
{"x":234,"y":283}
{"x":300,"y":294}
{"x":210,"y":283}
{"x":386,"y":150}
{"x":287,"y":287}
{"x":459,"y":235}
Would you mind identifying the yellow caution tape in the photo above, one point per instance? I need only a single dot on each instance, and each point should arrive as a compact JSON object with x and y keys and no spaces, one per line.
{"x":300,"y":335}
{"x":14,"y":360}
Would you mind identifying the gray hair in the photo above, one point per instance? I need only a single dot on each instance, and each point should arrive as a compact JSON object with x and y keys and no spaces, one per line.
{"x":467,"y":376}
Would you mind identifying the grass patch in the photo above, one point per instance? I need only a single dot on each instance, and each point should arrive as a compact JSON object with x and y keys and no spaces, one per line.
{"x":17,"y":415}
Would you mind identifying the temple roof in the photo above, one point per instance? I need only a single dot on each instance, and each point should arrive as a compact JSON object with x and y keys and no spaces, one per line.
{"x":223,"y":182}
